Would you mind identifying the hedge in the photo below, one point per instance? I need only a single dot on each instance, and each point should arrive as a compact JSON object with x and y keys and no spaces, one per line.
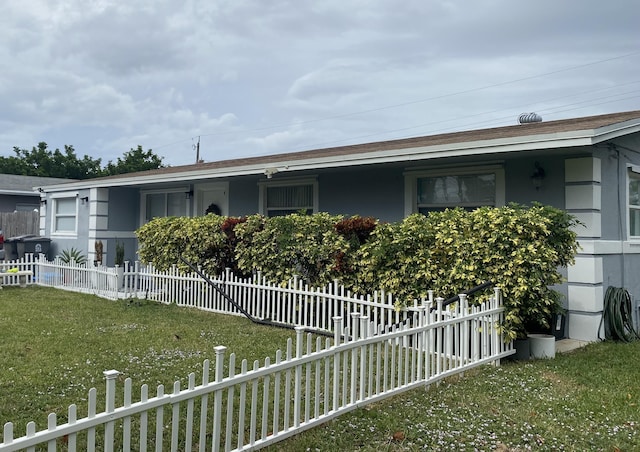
{"x":518,"y":248}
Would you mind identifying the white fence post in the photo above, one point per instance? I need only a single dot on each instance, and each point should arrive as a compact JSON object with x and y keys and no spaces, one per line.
{"x":110,"y":376}
{"x":297,"y":384}
{"x":217,"y":398}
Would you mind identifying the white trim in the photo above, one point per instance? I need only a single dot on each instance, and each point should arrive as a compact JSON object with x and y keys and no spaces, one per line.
{"x":286,"y":182}
{"x":411,"y":182}
{"x":583,"y":169}
{"x":586,"y":270}
{"x":54,"y":199}
{"x":584,"y":326}
{"x":586,"y":298}
{"x":586,"y":196}
{"x":199,"y":188}
{"x":143,"y":199}
{"x":103,"y":235}
{"x":633,"y":169}
{"x":590,"y":224}
{"x":606,"y":247}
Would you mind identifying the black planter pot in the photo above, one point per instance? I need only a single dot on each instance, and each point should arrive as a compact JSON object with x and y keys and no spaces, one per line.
{"x":523,"y":349}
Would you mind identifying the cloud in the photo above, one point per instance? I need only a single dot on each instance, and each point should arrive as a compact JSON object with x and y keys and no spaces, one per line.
{"x":252,"y":77}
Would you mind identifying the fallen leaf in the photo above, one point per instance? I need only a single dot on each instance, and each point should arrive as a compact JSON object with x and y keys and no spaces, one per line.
{"x":398,"y":436}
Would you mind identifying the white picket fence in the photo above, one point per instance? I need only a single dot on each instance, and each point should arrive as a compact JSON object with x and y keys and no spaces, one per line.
{"x":309,"y":384}
{"x":86,"y":278}
{"x":376,"y":351}
{"x":295,"y":304}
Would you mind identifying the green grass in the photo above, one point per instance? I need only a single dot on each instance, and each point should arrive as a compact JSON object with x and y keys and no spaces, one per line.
{"x":54,"y":346}
{"x":587,"y":400}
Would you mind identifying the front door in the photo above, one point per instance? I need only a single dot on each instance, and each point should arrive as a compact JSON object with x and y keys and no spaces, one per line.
{"x":212,"y":198}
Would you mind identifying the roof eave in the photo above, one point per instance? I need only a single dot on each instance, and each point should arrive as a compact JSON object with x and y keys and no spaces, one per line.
{"x":502,"y":145}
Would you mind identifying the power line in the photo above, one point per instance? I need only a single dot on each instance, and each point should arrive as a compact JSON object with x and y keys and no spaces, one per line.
{"x":484,"y":113}
{"x":403,"y":104}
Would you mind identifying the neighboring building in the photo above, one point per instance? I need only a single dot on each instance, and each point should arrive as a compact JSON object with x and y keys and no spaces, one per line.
{"x":17,"y":193}
{"x":589,"y":166}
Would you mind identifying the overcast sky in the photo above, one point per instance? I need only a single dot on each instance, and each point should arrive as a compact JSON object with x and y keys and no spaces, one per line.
{"x":254,"y":77}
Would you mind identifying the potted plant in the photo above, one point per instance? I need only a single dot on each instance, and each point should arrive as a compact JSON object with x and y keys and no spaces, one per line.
{"x":71,"y":257}
{"x":119,"y":261}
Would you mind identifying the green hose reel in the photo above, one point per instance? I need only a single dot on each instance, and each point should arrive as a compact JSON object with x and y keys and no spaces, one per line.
{"x":618,"y":315}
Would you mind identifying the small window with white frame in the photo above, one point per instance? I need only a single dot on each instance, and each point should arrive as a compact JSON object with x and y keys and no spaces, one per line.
{"x":634,"y":203}
{"x":65,"y":215}
{"x":165,"y":203}
{"x":437,"y":190}
{"x":285,"y":197}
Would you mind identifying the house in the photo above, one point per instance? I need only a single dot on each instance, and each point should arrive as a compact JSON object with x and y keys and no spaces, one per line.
{"x":19,"y":204}
{"x":589,"y":166}
{"x":17,"y":192}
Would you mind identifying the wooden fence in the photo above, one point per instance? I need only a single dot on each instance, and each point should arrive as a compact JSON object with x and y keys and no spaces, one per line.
{"x":20,"y":223}
{"x":375,"y":352}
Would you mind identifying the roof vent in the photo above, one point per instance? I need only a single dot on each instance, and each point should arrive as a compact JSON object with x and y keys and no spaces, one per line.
{"x":527,"y":118}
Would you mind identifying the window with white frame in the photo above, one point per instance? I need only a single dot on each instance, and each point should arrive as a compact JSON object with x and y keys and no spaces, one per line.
{"x":165,"y":204}
{"x":287,"y":197}
{"x":437,"y":190}
{"x":65,"y":214}
{"x":634,"y":204}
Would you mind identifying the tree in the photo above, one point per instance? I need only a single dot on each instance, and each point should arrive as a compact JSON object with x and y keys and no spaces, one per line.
{"x":134,"y":160}
{"x":41,"y":161}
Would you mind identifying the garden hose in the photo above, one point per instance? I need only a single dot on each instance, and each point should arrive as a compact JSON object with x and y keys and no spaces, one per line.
{"x":618,"y":315}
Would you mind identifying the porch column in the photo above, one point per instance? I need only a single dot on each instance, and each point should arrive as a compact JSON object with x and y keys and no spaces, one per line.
{"x":585,"y":277}
{"x":98,"y":218}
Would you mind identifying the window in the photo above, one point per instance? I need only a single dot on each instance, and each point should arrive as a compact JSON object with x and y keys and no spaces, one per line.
{"x":634,"y":204}
{"x":65,"y":215}
{"x":165,"y":204}
{"x":286,"y":197}
{"x":437,"y":190}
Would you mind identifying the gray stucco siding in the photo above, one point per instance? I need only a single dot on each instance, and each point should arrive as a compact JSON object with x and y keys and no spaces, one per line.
{"x":519,"y":187}
{"x":243,"y":196}
{"x":124,"y":209}
{"x":366,"y":191}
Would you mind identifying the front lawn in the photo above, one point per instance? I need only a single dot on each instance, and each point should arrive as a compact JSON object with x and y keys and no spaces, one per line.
{"x":586,"y":400}
{"x":54,"y":346}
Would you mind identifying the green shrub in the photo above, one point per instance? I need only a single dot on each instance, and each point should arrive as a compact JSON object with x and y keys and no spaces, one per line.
{"x":519,"y":249}
{"x":200,"y":240}
{"x":297,"y":244}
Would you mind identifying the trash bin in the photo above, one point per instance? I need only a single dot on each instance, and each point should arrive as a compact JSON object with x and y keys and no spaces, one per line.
{"x":20,"y":244}
{"x":35,"y":245}
{"x":14,"y":247}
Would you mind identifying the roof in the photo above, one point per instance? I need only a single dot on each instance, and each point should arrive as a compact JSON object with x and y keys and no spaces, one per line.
{"x":542,"y":135}
{"x":14,"y":184}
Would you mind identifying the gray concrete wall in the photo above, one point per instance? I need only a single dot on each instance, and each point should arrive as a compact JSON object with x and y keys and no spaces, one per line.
{"x":124,"y":209}
{"x":366,"y":191}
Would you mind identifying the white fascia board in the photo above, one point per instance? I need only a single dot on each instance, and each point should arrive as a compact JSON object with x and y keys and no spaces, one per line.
{"x":19,"y":193}
{"x":615,"y":131}
{"x":158,"y":178}
{"x":501,"y":145}
{"x":430,"y":152}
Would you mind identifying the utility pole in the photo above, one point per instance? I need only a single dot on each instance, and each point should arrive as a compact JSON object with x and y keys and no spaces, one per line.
{"x":198,"y":150}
